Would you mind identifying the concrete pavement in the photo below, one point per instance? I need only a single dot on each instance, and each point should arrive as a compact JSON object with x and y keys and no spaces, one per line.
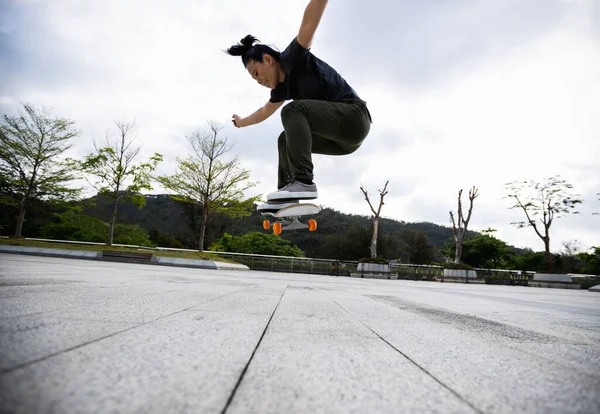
{"x":89,"y":336}
{"x":89,"y":255}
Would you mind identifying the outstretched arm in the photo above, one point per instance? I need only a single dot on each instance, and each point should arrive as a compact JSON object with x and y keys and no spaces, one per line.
{"x":258,"y":116}
{"x":310,"y":22}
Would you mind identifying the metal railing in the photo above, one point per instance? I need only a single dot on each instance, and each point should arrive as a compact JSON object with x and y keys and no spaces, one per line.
{"x":290,"y":264}
{"x":505,"y":277}
{"x":418,"y":272}
{"x":333,"y":267}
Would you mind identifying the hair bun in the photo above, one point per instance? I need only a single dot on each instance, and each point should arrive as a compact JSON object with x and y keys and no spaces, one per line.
{"x":243,"y":46}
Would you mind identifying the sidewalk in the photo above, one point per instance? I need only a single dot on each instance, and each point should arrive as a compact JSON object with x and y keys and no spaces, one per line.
{"x":94,"y":336}
{"x":82,"y":254}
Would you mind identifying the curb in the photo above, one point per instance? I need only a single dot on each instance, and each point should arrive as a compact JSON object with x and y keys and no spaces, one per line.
{"x":43,"y":251}
{"x":203,"y":264}
{"x":157,"y":260}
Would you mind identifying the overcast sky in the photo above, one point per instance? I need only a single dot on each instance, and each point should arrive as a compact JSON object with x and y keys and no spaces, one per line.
{"x":463,"y":93}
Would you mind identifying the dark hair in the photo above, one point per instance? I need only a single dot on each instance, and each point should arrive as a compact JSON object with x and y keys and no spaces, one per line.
{"x":249,"y":51}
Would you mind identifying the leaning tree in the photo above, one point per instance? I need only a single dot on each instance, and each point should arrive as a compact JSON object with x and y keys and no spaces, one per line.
{"x":548,"y":199}
{"x":32,"y":163}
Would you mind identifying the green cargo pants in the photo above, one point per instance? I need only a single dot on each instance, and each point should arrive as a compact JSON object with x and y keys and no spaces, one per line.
{"x":318,"y":127}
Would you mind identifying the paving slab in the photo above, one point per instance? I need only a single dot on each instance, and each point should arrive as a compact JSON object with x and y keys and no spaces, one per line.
{"x":30,"y":338}
{"x":315,"y":357}
{"x":185,"y":362}
{"x":88,"y":336}
{"x":490,"y":363}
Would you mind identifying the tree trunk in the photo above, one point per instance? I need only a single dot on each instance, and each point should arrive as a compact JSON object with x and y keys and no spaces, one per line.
{"x":458,"y":253}
{"x":203,"y":229}
{"x":21,"y":218}
{"x":111,"y":227}
{"x":374,"y":239}
{"x":549,"y":261}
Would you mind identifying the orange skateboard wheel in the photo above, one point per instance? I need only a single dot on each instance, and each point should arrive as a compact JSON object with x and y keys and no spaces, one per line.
{"x":312,"y":224}
{"x":277,"y":228}
{"x":266,"y":224}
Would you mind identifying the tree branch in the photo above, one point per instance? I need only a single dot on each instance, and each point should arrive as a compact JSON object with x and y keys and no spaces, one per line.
{"x":368,"y":201}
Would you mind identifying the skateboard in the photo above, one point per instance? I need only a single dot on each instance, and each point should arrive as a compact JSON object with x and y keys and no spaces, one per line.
{"x":287,"y":218}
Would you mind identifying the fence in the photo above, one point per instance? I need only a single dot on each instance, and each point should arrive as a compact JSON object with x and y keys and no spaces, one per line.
{"x":334,"y":267}
{"x":418,"y":272}
{"x":291,"y":264}
{"x":505,"y":277}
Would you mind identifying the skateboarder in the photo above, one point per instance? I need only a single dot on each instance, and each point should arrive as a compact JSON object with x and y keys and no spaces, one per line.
{"x":326,"y":115}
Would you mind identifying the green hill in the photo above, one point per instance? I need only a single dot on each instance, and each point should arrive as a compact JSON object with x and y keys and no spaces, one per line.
{"x":164,"y":215}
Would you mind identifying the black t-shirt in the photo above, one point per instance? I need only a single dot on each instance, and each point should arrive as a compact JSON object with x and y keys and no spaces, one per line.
{"x":308,"y":77}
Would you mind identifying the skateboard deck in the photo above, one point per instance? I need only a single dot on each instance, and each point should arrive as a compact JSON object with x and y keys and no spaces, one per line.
{"x":287,"y":218}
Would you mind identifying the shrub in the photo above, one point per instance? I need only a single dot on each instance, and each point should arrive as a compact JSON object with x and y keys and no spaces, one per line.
{"x":256,"y":243}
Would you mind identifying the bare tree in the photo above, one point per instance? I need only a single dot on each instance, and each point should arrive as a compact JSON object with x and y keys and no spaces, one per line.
{"x":460,"y":230}
{"x":120,"y":176}
{"x":31,"y":146}
{"x":207,"y":180}
{"x":376,"y":215}
{"x":550,"y":198}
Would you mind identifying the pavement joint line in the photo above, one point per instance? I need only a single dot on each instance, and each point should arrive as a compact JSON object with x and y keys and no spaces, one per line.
{"x":35,"y":361}
{"x":67,"y":318}
{"x":241,"y":377}
{"x":460,"y":397}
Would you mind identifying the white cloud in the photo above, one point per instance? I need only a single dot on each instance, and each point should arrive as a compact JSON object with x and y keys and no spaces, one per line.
{"x":530,"y":113}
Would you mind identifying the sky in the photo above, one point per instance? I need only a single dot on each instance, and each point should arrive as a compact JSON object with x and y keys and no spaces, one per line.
{"x":463,"y":93}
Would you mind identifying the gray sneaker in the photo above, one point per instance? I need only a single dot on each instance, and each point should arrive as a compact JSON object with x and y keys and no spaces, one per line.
{"x":295,"y":191}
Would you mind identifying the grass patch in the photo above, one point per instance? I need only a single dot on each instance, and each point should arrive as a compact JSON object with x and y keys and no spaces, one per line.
{"x":100,"y":247}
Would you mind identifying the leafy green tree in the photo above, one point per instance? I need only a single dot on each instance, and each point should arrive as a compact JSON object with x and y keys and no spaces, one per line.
{"x":484,"y":250}
{"x":389,"y":246}
{"x":256,"y":243}
{"x":132,"y":234}
{"x":567,"y":260}
{"x":352,"y":245}
{"x":528,"y":260}
{"x":550,"y":199}
{"x":118,"y":174}
{"x":72,"y":224}
{"x":164,"y":240}
{"x":418,"y":247}
{"x":32,"y":166}
{"x":210,"y":183}
{"x":591,"y":261}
